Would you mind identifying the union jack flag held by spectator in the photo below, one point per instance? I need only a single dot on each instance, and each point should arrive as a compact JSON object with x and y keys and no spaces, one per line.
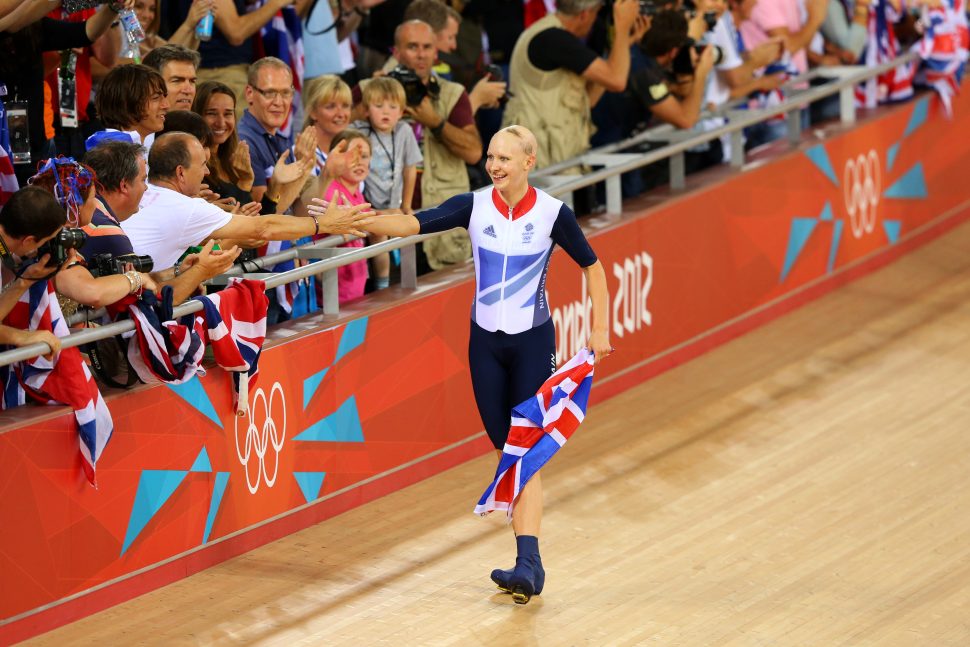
{"x":540,"y":426}
{"x":63,"y":380}
{"x":8,"y":179}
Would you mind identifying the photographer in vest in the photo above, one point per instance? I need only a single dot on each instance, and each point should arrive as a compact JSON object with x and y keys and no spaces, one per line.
{"x":556,"y":78}
{"x":445,"y":127}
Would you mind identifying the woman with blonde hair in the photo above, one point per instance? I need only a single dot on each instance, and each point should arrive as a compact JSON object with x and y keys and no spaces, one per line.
{"x":326,"y":102}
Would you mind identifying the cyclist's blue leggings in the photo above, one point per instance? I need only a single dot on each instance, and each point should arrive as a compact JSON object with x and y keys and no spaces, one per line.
{"x":507,"y":369}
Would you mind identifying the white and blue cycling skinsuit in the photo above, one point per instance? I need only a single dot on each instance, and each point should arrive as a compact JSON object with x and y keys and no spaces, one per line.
{"x":512,"y":349}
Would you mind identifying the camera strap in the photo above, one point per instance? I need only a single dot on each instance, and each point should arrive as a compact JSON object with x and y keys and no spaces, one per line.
{"x":337,"y":21}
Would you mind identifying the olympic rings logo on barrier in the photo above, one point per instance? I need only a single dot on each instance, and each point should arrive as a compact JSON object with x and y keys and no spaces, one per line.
{"x":264,"y":440}
{"x":862,"y":185}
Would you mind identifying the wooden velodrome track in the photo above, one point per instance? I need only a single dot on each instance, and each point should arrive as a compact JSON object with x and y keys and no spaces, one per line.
{"x":806,"y":484}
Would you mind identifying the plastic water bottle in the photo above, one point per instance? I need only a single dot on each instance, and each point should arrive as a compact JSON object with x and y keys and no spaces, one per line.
{"x":203,"y":31}
{"x":133,"y":30}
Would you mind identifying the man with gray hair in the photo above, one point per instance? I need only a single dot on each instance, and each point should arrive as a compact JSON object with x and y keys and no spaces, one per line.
{"x":556,"y":78}
{"x":179,"y":67}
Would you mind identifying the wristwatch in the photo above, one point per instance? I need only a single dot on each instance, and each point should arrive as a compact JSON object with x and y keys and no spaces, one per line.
{"x":436,"y":131}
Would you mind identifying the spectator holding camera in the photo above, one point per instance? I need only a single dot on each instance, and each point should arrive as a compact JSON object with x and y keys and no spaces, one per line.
{"x":75,"y":188}
{"x":30,"y":219}
{"x":670,"y":54}
{"x":556,"y":78}
{"x":121,"y":172}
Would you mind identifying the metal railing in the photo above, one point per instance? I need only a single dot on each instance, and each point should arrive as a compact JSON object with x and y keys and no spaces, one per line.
{"x":608,"y":164}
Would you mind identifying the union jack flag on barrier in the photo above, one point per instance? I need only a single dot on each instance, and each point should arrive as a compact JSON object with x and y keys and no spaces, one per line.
{"x":63,"y":380}
{"x":943,"y":48}
{"x":232,"y":322}
{"x":540,"y":426}
{"x":883,"y":46}
{"x":282,"y":37}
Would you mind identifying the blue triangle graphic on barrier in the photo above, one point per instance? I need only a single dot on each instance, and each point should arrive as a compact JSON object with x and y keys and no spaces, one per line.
{"x":892,"y":227}
{"x":201,"y":463}
{"x":826,"y":212}
{"x":911,"y":185}
{"x":154,"y":489}
{"x":820,"y":158}
{"x":194,"y":393}
{"x":918,"y":118}
{"x":834,"y":247}
{"x":310,"y":484}
{"x":891,"y":156}
{"x":801,"y":229}
{"x":352,"y":337}
{"x":311,"y":384}
{"x":218,"y":489}
{"x":342,"y":426}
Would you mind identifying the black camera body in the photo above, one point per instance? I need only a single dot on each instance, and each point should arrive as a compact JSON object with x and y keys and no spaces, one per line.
{"x":415,"y":89}
{"x":60,"y":246}
{"x":683,"y":63}
{"x":107,"y":265}
{"x":495,"y":74}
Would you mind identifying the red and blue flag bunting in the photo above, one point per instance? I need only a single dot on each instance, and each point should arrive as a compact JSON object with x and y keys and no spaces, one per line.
{"x":540,"y":426}
{"x":63,"y":380}
{"x":8,"y":179}
{"x":882,"y":46}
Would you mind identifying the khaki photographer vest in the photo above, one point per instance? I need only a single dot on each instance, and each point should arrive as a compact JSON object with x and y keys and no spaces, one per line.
{"x":553,"y":105}
{"x":444,"y":173}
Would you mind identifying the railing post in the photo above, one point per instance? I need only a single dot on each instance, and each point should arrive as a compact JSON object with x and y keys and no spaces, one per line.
{"x":794,"y":119}
{"x":409,"y":267}
{"x":737,"y":149}
{"x":677,"y":171}
{"x":614,"y":195}
{"x":331,"y":295}
{"x":847,"y":105}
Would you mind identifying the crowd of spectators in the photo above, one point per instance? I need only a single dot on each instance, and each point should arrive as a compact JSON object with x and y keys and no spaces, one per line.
{"x":196,"y":146}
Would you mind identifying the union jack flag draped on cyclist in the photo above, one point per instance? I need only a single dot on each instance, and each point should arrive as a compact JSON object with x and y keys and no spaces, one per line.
{"x":944,"y":48}
{"x":540,"y":426}
{"x":883,"y":46}
{"x":282,"y":37}
{"x":63,"y":380}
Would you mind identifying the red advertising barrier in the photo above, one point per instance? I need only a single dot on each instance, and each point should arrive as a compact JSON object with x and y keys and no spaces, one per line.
{"x":347,"y":414}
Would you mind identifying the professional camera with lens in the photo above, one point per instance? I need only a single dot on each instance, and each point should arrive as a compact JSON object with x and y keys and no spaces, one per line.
{"x":683,"y":63}
{"x":414,"y":88}
{"x":60,"y":246}
{"x":106,"y":264}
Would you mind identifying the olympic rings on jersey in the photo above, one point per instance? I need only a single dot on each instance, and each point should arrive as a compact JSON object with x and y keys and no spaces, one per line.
{"x":262,"y":440}
{"x":862,"y":185}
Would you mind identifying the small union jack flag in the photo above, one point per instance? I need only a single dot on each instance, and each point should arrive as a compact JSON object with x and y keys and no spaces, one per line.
{"x":540,"y":426}
{"x":63,"y":380}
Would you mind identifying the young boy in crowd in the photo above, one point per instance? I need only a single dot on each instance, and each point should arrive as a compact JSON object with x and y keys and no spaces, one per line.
{"x":396,"y":155}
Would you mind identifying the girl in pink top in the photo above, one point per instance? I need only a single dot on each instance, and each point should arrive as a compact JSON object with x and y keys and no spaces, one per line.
{"x":351,"y":278}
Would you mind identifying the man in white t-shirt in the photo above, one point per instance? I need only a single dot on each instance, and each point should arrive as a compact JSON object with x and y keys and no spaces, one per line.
{"x":171,"y":219}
